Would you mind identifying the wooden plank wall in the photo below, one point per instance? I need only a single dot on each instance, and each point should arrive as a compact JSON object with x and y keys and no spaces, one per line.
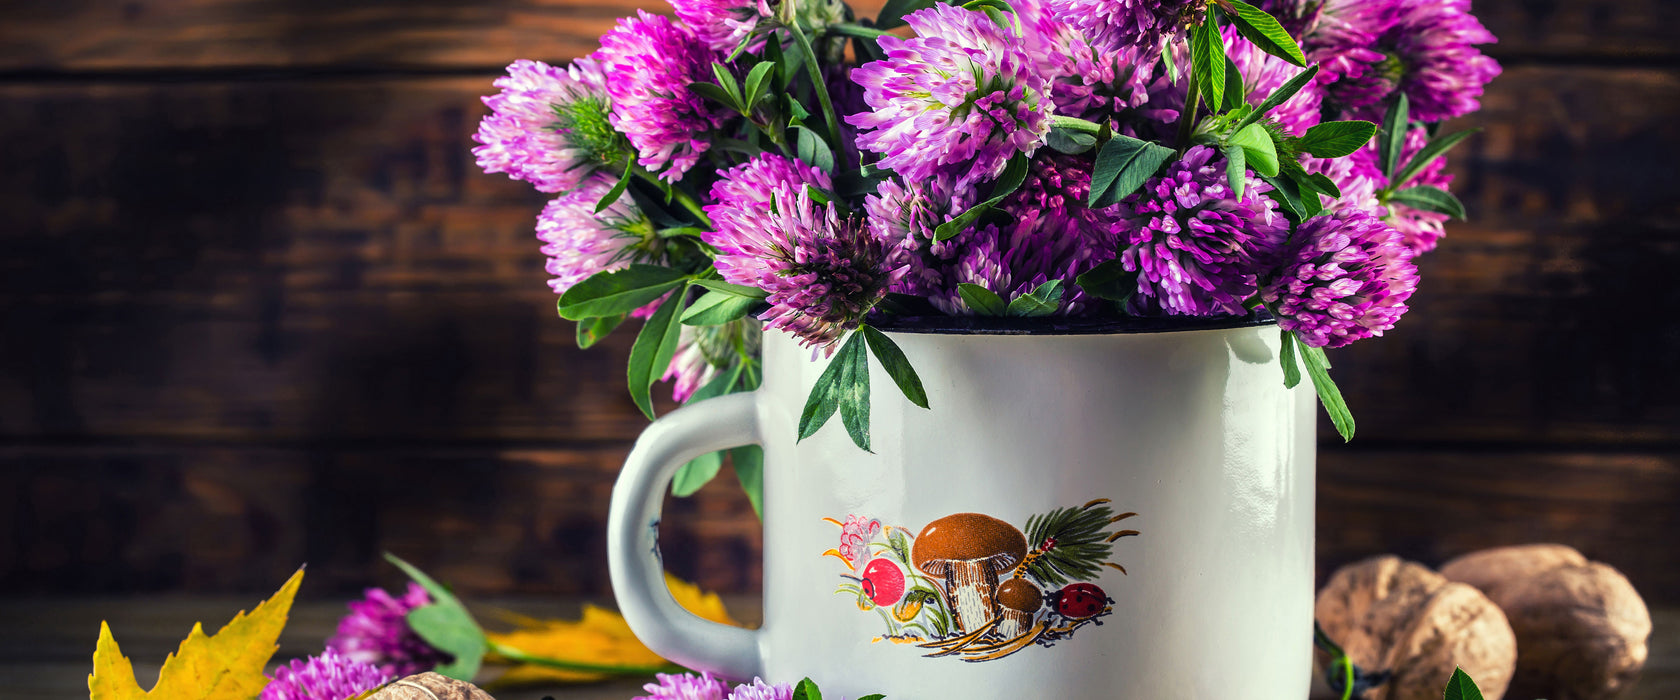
{"x":257,"y":308}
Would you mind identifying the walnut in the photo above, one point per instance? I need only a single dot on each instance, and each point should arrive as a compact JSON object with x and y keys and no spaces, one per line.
{"x":430,"y":686}
{"x":1398,"y":616}
{"x":1581,"y":627}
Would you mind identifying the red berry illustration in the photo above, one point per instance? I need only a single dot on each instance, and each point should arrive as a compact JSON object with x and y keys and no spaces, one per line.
{"x":883,"y":582}
{"x":1080,"y":600}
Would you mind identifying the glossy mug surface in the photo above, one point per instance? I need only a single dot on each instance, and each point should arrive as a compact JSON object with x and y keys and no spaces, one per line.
{"x":1124,"y":515}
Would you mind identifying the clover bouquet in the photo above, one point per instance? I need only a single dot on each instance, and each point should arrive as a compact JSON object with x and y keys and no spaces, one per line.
{"x":786,"y":166}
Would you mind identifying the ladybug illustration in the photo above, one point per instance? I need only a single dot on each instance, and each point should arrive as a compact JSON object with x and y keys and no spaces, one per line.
{"x":1080,"y":600}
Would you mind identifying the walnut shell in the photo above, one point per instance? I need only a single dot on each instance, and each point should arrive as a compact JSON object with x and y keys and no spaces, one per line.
{"x":430,"y":686}
{"x":1398,"y":616}
{"x":1581,"y":627}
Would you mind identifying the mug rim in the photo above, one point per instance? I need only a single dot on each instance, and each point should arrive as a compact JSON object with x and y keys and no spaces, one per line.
{"x":1049,"y":326}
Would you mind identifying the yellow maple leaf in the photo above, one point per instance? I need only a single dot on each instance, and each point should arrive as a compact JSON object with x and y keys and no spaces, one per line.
{"x":599,"y":638}
{"x":225,"y":666}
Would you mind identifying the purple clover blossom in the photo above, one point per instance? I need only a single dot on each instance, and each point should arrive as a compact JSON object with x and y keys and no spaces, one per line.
{"x":703,"y":351}
{"x":1424,"y":49}
{"x":684,"y":686}
{"x":823,"y":273}
{"x":1053,"y":236}
{"x":759,"y":690}
{"x":330,"y":676}
{"x":580,"y":242}
{"x":549,"y":125}
{"x":1347,"y":277}
{"x":652,"y":61}
{"x":904,"y":215}
{"x":722,"y":24}
{"x":959,"y":100}
{"x":1118,"y":24}
{"x":376,"y":632}
{"x":1197,"y":249}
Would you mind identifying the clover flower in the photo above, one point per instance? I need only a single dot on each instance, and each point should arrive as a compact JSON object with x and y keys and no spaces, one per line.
{"x":1117,"y":24}
{"x":903,"y":215}
{"x":1373,"y":48}
{"x":376,"y":633}
{"x":759,"y":690}
{"x":1052,"y":235}
{"x":960,"y":99}
{"x":1346,"y":276}
{"x":652,"y":61}
{"x":722,"y":24}
{"x":823,"y":272}
{"x":549,"y":126}
{"x":1196,"y":248}
{"x":684,"y":686}
{"x":330,"y":676}
{"x":703,"y":351}
{"x":580,"y":242}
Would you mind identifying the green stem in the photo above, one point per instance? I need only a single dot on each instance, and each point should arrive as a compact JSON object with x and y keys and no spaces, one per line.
{"x":1187,"y":120}
{"x":856,"y":30}
{"x":1075,"y":124}
{"x":513,"y":654}
{"x":676,"y":193}
{"x":817,"y":83}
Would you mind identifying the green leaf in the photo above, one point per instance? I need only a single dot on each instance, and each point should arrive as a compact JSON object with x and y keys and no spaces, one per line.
{"x":1429,"y":198}
{"x":1069,"y":141}
{"x":617,"y":292}
{"x":715,"y":94}
{"x":1337,"y":139}
{"x":618,"y":188}
{"x":726,"y":80}
{"x":854,"y":390}
{"x":1122,"y":166}
{"x":739,"y":290}
{"x":892,"y":14}
{"x":1324,"y":184}
{"x":1287,"y":193}
{"x":1258,"y":149}
{"x":1042,"y":301}
{"x":446,"y":625}
{"x":1461,"y":687}
{"x":876,"y":696}
{"x":1207,"y":61}
{"x":806,"y":690}
{"x":1286,"y":357}
{"x":1236,"y":94}
{"x":823,"y":400}
{"x":695,"y":474}
{"x":1109,"y":280}
{"x":1265,"y":31}
{"x":897,"y":366}
{"x":651,"y":354}
{"x":1434,"y":149}
{"x":1318,"y":367}
{"x":812,"y":149}
{"x":757,"y":79}
{"x":748,"y":461}
{"x":1236,"y":169}
{"x":1311,"y":203}
{"x":1396,"y":123}
{"x":1013,"y":175}
{"x":1280,"y":96}
{"x":591,"y":330}
{"x":716,"y":309}
{"x":981,"y":300}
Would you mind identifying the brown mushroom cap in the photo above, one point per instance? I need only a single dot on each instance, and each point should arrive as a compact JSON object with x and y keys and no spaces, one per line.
{"x":968,"y":537}
{"x":1020,"y":594}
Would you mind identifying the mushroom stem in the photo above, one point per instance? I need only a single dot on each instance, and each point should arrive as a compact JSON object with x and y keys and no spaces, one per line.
{"x":970,"y":586}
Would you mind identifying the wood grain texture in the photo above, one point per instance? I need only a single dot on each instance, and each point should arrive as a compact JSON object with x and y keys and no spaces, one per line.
{"x":171,"y":34}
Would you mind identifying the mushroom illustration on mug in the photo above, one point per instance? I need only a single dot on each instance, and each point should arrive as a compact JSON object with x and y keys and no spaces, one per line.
{"x":970,"y":585}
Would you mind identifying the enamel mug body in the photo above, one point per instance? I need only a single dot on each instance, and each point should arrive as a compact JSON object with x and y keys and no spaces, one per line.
{"x":1122,"y":515}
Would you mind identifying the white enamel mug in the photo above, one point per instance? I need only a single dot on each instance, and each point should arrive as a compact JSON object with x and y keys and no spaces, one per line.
{"x":1121,"y":515}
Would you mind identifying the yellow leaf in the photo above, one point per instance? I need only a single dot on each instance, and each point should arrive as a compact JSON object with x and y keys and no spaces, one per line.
{"x":599,"y":637}
{"x":225,"y":666}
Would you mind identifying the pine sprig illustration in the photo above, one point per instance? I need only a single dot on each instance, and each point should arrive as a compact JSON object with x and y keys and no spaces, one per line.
{"x":1072,"y":543}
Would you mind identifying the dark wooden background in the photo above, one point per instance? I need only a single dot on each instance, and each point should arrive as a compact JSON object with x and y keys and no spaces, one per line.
{"x":257,"y":308}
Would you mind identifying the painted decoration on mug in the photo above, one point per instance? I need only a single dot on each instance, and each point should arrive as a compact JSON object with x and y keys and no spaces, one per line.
{"x":978,"y":588}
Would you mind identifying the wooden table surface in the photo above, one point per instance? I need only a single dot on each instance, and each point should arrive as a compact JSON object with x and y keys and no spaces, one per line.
{"x":46,"y":645}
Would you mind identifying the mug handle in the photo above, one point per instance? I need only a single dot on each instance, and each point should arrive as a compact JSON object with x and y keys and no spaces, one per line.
{"x":638,"y":575}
